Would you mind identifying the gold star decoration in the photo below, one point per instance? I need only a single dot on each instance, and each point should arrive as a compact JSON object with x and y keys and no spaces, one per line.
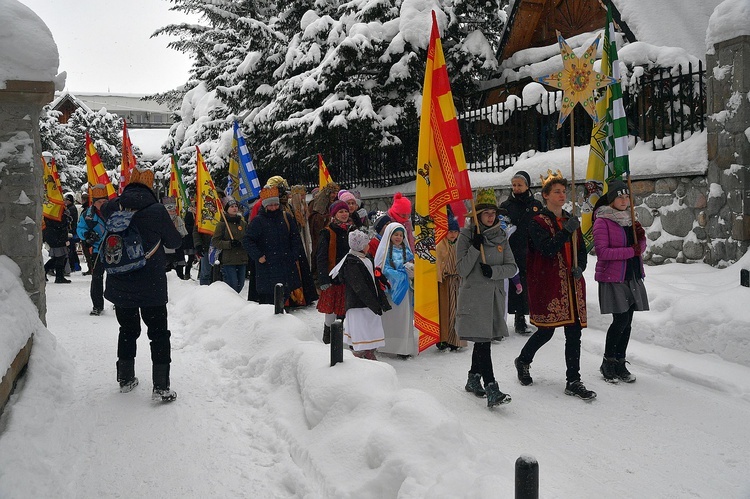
{"x":577,"y":80}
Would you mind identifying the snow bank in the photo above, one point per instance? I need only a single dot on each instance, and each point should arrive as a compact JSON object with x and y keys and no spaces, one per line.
{"x":27,"y":48}
{"x":730,"y":19}
{"x":18,"y":315}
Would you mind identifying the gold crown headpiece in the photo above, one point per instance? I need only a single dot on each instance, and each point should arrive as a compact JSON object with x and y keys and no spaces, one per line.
{"x":550,"y":177}
{"x":142,"y":176}
{"x":269,"y":192}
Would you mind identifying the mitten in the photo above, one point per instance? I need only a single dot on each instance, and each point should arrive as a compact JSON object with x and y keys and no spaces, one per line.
{"x":486,"y":270}
{"x":577,"y":272}
{"x":477,"y":240}
{"x":519,"y":288}
{"x":572,"y":224}
{"x":236,"y":244}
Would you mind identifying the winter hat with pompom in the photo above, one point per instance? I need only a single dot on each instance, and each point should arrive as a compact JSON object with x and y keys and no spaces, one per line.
{"x":401,"y":206}
{"x":358,"y":240}
{"x":346,"y":196}
{"x":336,"y":207}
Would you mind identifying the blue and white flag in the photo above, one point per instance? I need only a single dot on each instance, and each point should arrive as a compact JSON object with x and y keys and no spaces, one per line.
{"x":248,"y":185}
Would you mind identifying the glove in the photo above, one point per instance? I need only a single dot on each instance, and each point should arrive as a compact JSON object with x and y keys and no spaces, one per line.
{"x":572,"y":224}
{"x":486,"y":270}
{"x":323,"y":287}
{"x":477,"y":240}
{"x":199,"y":250}
{"x":639,"y":232}
{"x":636,"y":249}
{"x":577,"y":272}
{"x":91,"y":237}
{"x":236,"y":243}
{"x":362,"y":213}
{"x":381,"y":279}
{"x":519,"y":289}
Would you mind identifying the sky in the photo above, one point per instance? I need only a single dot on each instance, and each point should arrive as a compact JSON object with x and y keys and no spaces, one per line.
{"x":260,"y":412}
{"x":104,"y":45}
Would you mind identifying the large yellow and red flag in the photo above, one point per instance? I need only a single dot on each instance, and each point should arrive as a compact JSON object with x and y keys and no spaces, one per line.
{"x":128,"y":158}
{"x":442,"y":180}
{"x":208,"y":204}
{"x":95,"y":171}
{"x":53,"y":204}
{"x":324,"y":177}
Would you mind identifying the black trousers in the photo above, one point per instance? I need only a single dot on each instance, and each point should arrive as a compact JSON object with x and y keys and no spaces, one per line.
{"x":96,"y":290}
{"x":618,"y":335}
{"x":481,"y":362}
{"x":572,"y":349}
{"x":155,"y":319}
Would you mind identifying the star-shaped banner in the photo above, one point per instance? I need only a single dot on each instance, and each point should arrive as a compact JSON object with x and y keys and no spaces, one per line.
{"x":577,"y":80}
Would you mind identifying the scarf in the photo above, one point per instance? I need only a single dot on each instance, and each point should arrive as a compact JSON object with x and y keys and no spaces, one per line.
{"x":621,"y":218}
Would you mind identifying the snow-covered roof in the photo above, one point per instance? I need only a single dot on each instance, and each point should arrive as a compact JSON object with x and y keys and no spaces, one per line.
{"x":669,"y":23}
{"x":65,"y":95}
{"x":114,"y":103}
{"x":27,"y":49}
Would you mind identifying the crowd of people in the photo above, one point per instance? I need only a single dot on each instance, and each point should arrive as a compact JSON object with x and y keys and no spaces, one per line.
{"x":522,"y":257}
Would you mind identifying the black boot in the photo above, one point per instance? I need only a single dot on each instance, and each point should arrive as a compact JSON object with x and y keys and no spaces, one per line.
{"x":161,"y":384}
{"x":523,"y":372}
{"x":495,"y":396}
{"x":474,"y":384}
{"x":327,"y":335}
{"x":621,"y":371}
{"x":126,"y":375}
{"x":609,"y":370}
{"x":520,"y":324}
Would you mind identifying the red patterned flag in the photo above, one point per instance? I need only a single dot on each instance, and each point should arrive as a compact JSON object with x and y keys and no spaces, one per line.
{"x":95,"y":169}
{"x":442,"y":180}
{"x":128,"y":158}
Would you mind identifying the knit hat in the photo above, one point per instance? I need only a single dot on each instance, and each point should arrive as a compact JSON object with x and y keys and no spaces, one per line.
{"x":336,"y":207}
{"x":142,"y":176}
{"x":523,"y":175}
{"x":453,"y":223}
{"x":486,"y":200}
{"x":269,"y":196}
{"x":615,"y":189}
{"x":98,"y":192}
{"x":70,"y":197}
{"x":358,"y":240}
{"x":346,"y":196}
{"x":356,"y":195}
{"x":230,"y":202}
{"x":381,"y":223}
{"x":400,"y":206}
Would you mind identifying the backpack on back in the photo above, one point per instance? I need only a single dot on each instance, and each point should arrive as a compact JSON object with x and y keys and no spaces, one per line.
{"x":122,"y":250}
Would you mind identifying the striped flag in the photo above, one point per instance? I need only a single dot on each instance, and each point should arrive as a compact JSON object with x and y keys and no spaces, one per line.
{"x":442,"y":180}
{"x":95,"y":171}
{"x":208,"y":205}
{"x":53,"y":204}
{"x":177,"y":188}
{"x":608,"y":156}
{"x":127,"y":163}
{"x":324,"y":177}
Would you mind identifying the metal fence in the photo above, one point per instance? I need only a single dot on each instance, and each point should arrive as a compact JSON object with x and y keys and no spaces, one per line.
{"x":663,"y":105}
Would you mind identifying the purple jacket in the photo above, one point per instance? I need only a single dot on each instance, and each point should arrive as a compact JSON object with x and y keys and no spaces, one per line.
{"x":612,"y":251}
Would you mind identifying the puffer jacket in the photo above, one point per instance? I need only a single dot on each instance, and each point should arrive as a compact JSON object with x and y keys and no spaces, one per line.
{"x":613,"y":251}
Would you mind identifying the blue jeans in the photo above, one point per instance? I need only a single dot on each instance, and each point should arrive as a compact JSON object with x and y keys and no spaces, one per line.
{"x":204,"y":273}
{"x":234,"y":276}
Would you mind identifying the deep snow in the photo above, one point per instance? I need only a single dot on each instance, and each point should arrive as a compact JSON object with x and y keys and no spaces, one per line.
{"x":261,"y":414}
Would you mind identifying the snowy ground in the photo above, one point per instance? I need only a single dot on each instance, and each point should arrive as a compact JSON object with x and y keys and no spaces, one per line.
{"x":261,"y":414}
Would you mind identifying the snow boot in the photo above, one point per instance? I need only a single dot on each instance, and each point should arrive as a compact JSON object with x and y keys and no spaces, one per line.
{"x":523,"y":372}
{"x":161,"y":390}
{"x":609,"y":370}
{"x":521,"y":326}
{"x":126,"y":375}
{"x":327,"y":335}
{"x":578,"y":389}
{"x":495,"y":396}
{"x":474,"y":384}
{"x":622,"y":371}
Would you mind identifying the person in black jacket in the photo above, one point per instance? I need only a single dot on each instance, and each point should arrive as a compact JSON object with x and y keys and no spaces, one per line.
{"x":142,"y":293}
{"x":55,"y":234}
{"x":70,"y":207}
{"x":522,"y":208}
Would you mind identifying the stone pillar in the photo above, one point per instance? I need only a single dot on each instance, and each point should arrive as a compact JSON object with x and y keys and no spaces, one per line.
{"x":21,"y":182}
{"x":728,"y":71}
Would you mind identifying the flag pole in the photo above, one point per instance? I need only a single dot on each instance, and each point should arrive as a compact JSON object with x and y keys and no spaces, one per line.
{"x":476,"y":224}
{"x":574,"y":238}
{"x":221,"y":211}
{"x":632,"y":209}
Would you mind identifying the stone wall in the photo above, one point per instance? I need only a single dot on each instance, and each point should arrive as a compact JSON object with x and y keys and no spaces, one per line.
{"x":21,"y":182}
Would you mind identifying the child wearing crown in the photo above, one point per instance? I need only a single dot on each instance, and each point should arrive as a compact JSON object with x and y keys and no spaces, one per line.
{"x":557,"y":290}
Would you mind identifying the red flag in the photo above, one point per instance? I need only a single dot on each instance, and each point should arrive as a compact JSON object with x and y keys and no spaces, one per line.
{"x":128,"y":158}
{"x":95,"y":169}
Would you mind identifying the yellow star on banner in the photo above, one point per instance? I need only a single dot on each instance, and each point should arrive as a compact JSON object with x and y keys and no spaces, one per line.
{"x":577,"y":80}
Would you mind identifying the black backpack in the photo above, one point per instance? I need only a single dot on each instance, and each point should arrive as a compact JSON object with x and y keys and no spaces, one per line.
{"x":122,"y":250}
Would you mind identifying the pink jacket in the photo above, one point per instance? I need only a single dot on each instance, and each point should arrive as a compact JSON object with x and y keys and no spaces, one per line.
{"x":612,"y":251}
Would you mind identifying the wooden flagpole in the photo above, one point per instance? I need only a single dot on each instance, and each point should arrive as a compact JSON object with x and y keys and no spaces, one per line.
{"x":574,"y":238}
